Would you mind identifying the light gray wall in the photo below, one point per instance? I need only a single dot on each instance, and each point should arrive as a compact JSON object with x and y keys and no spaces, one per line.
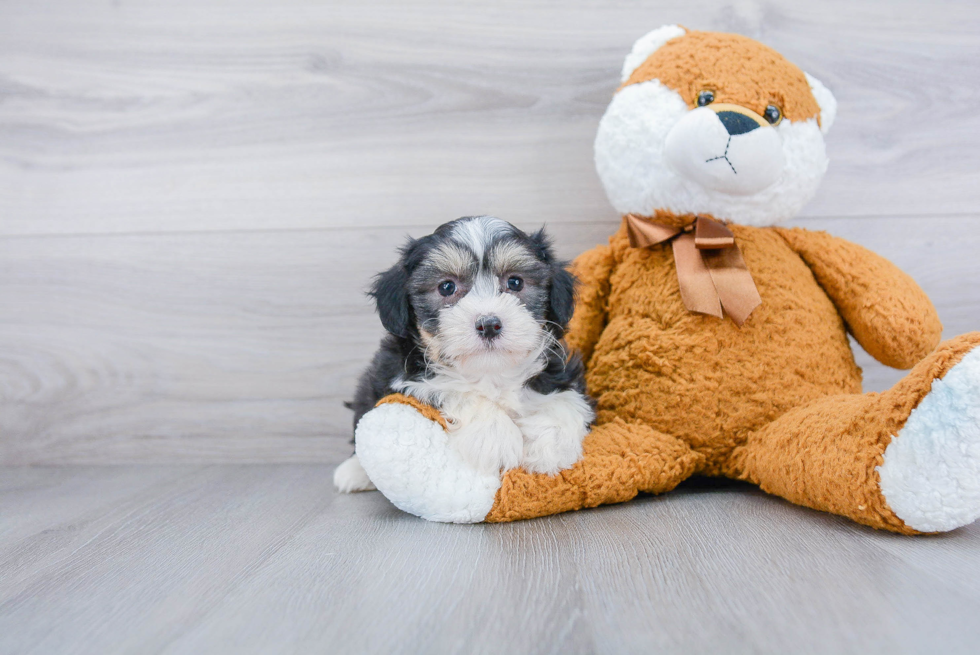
{"x":194,"y":195}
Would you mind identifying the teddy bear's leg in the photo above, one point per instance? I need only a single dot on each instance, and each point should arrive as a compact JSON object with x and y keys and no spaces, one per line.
{"x":404,"y":449}
{"x":907,"y":460}
{"x":619,"y":460}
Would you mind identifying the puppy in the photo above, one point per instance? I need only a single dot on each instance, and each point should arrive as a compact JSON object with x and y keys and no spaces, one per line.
{"x":475,"y":314}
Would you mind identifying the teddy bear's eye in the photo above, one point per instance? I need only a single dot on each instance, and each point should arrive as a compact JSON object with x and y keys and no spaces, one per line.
{"x":706,"y":98}
{"x":773,"y":114}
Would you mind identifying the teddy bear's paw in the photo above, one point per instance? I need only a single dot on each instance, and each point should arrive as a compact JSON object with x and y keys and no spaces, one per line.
{"x":489,"y":442}
{"x":350,"y":476}
{"x":409,"y":459}
{"x":930,"y":476}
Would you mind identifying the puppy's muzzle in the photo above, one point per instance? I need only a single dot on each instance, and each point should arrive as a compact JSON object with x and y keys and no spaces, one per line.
{"x":488,"y":327}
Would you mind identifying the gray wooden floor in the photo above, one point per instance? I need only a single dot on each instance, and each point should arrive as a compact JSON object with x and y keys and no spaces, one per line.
{"x":193,"y":197}
{"x":267,"y":559}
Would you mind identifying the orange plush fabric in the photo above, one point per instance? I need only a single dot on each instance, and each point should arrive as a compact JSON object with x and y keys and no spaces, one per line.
{"x":619,"y":460}
{"x":889,"y":315}
{"x":427,"y":411}
{"x":737,"y":69}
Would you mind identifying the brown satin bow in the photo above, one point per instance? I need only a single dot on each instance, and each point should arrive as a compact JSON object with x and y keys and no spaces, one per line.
{"x":710,"y":270}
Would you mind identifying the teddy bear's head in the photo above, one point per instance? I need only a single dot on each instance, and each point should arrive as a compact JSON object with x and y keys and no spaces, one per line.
{"x":713,"y":124}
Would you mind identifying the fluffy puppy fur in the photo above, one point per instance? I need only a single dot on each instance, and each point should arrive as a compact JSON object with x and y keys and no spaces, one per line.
{"x":476,"y":314}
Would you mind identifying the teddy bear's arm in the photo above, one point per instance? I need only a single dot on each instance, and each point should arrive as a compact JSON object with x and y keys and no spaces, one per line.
{"x":886,"y":311}
{"x":592,"y":268}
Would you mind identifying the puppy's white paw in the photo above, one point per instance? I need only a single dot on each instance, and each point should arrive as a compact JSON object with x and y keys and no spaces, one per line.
{"x":488,"y":440}
{"x":551,"y":451}
{"x":554,"y":431}
{"x":350,"y":476}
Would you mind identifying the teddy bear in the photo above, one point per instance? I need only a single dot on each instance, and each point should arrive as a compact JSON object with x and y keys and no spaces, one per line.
{"x":715,"y":339}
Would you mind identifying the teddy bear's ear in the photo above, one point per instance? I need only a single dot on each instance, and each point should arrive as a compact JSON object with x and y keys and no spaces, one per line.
{"x":647,"y":44}
{"x":826,"y":100}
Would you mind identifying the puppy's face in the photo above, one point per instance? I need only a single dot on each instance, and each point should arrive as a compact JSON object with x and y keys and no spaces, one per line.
{"x":479,"y":294}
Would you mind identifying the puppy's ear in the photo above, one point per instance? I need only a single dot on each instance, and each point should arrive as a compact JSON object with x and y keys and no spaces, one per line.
{"x":390,"y":292}
{"x":541,"y":244}
{"x":562,"y":296}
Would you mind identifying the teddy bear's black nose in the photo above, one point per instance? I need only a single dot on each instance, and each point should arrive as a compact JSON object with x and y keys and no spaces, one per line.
{"x":736,"y":123}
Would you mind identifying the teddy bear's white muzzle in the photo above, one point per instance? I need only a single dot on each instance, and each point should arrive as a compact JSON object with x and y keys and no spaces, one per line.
{"x":732,"y":156}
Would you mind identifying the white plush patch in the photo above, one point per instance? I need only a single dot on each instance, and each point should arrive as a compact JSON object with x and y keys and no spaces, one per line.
{"x":648,"y":44}
{"x":930,"y":476}
{"x":630,"y":160}
{"x":411,"y":462}
{"x":826,"y":100}
{"x":553,"y":427}
{"x":350,"y":477}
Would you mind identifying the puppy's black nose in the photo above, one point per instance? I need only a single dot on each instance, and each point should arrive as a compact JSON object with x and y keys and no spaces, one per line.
{"x":736,"y":123}
{"x":488,"y":327}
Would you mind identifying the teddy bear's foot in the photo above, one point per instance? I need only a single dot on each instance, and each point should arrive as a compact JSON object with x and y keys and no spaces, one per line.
{"x":409,"y":458}
{"x":906,"y":460}
{"x":930,"y":476}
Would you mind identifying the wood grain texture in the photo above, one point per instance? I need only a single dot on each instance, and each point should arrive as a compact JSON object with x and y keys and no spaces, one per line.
{"x":242,"y":346}
{"x":193,"y":197}
{"x":155,"y":116}
{"x":268,"y":559}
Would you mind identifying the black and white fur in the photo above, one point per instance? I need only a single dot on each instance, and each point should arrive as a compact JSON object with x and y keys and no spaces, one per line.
{"x":475,"y":314}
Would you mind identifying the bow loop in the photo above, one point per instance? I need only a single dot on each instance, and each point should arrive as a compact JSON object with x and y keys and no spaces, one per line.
{"x":644,"y":233}
{"x":711,"y":272}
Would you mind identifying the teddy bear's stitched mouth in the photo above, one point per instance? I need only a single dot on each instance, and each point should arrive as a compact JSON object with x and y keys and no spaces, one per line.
{"x":724,"y":156}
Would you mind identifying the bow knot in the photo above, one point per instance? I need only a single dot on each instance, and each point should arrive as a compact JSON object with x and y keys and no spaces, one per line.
{"x":711,"y":272}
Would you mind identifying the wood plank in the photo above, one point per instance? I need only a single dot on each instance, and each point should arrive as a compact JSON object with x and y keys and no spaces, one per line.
{"x":267,"y":559}
{"x":241,"y":347}
{"x":165,"y":558}
{"x":155,"y":117}
{"x":36,"y":503}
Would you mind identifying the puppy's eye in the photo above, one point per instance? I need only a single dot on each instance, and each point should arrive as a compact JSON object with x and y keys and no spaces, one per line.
{"x":447,"y":288}
{"x":706,"y":98}
{"x":515,"y":283}
{"x":773,"y":114}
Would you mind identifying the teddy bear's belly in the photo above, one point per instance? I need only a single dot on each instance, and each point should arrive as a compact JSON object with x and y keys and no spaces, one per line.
{"x":705,"y":380}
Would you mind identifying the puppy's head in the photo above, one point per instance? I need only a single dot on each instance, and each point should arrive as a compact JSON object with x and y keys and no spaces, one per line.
{"x":478,"y":293}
